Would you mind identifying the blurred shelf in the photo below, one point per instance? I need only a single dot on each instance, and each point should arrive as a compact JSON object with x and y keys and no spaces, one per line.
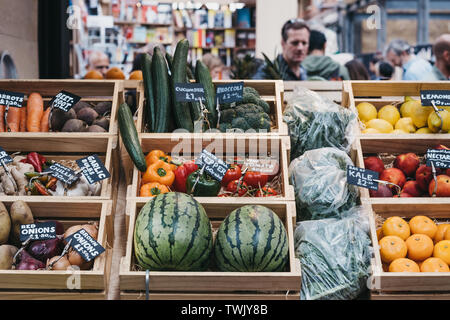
{"x":156,"y":25}
{"x":234,"y":48}
{"x":215,"y":29}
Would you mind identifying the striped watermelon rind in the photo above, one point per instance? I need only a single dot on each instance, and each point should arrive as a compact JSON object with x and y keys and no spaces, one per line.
{"x":173,"y":233}
{"x":251,"y":239}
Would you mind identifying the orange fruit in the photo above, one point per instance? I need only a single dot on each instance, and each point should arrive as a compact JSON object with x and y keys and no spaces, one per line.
{"x":420,"y":247}
{"x":403,"y":265}
{"x":93,"y":74}
{"x":396,"y":226}
{"x":391,"y":248}
{"x":423,"y":225}
{"x":442,"y":250}
{"x":136,"y":75}
{"x":440,"y":233}
{"x":447,"y":234}
{"x":115,"y":73}
{"x":434,"y":265}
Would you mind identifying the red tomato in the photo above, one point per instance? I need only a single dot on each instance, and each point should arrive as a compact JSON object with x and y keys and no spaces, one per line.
{"x":232,"y":187}
{"x":233,"y":173}
{"x":255,"y":179}
{"x":266,"y":192}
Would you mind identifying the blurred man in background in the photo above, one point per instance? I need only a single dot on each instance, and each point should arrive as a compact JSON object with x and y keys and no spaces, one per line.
{"x":318,"y":66}
{"x":441,"y":50}
{"x":98,"y":61}
{"x":398,"y":53}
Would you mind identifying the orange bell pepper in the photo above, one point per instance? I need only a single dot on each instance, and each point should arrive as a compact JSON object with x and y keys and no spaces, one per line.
{"x":152,"y":189}
{"x":155,"y":155}
{"x":160,"y":172}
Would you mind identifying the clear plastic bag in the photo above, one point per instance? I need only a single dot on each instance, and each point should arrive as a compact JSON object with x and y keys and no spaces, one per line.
{"x":334,"y":256}
{"x":317,"y":122}
{"x":319,"y":178}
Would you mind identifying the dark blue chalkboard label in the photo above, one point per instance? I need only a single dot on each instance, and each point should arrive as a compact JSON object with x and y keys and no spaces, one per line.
{"x":362,"y":177}
{"x":62,"y":173}
{"x":441,"y":98}
{"x":5,"y":157}
{"x":85,"y":245}
{"x":214,"y":166}
{"x":440,"y":158}
{"x":64,"y":100}
{"x":189,"y":92}
{"x":12,"y":99}
{"x":230,"y":92}
{"x":93,"y":169}
{"x":38,"y":231}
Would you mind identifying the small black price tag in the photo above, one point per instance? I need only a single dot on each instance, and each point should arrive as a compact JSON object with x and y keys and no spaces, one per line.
{"x":441,"y":98}
{"x":12,"y":99}
{"x":230,"y":92}
{"x":63,"y":173}
{"x":38,"y":231}
{"x":85,"y":245}
{"x":189,"y":92}
{"x":64,"y":100}
{"x":93,"y":169}
{"x":214,"y":166}
{"x":439,"y":157}
{"x":362,"y":177}
{"x":5,"y":157}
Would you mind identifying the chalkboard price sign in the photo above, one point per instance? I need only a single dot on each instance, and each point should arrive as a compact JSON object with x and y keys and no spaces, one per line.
{"x":362,"y":177}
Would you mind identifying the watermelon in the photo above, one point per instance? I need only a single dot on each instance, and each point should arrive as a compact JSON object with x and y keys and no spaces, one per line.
{"x":173,"y":233}
{"x":251,"y":238}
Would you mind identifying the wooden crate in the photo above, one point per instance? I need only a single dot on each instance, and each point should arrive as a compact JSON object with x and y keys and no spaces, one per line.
{"x":89,"y":90}
{"x":270,"y":90}
{"x":220,"y":146}
{"x":397,"y":284}
{"x":34,"y":284}
{"x":209,"y":296}
{"x":107,"y":153}
{"x":328,"y":89}
{"x":410,"y":296}
{"x":211,"y":284}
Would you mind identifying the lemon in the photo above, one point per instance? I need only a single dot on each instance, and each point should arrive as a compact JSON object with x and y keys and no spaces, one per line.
{"x":381,"y":125}
{"x":409,"y":98}
{"x":407,"y":107}
{"x":420,"y":115}
{"x":434,"y":122}
{"x":424,"y":130}
{"x":366,"y":111}
{"x":389,"y":113}
{"x":405,"y":124}
{"x":399,"y":131}
{"x":370,"y":130}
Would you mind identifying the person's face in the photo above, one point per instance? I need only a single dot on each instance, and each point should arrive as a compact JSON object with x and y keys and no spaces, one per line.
{"x":295,"y":48}
{"x":216,"y":73}
{"x":101,"y":64}
{"x":394,"y":59}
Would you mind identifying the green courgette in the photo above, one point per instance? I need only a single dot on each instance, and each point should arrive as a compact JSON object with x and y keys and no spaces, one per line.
{"x":149,"y":111}
{"x":130,"y":138}
{"x":161,"y":92}
{"x":181,"y":110}
{"x":203,"y":76}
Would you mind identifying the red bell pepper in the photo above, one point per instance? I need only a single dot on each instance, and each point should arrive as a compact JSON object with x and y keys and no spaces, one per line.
{"x":181,"y":175}
{"x":255,"y":179}
{"x":233,"y":173}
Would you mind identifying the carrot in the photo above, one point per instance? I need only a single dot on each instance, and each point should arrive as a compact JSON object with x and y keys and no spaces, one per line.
{"x":2,"y":116}
{"x":44,"y":121}
{"x":13,"y":119}
{"x":35,"y":111}
{"x":23,"y":119}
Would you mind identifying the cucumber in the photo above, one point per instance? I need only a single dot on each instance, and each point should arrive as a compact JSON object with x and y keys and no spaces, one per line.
{"x":203,"y":76}
{"x":169,"y":60}
{"x":181,"y":110}
{"x":160,"y":78}
{"x":130,"y":138}
{"x":149,"y":111}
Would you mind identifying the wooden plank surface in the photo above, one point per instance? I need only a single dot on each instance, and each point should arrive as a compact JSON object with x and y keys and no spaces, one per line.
{"x":289,"y":295}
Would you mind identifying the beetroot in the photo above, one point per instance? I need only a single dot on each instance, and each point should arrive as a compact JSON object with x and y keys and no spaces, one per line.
{"x":27,"y":262}
{"x":45,"y":249}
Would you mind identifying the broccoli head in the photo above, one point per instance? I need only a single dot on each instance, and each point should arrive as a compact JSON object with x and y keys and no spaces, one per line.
{"x":223,"y":126}
{"x":259,"y":121}
{"x":240,"y":123}
{"x":227,"y":115}
{"x":251,"y":90}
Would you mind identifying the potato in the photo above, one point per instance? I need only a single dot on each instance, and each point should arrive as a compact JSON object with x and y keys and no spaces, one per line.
{"x":95,"y":128}
{"x":20,"y":214}
{"x":60,"y":117}
{"x":7,"y":253}
{"x":74,"y":125}
{"x":103,"y":107}
{"x":5,"y":224}
{"x":88,"y":115}
{"x":102,"y":122}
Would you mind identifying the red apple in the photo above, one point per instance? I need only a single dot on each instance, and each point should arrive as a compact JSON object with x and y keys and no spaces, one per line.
{"x":443,"y":186}
{"x":441,"y":147}
{"x":393,"y":175}
{"x":374,"y":163}
{"x":424,"y":176}
{"x":403,"y":195}
{"x":382,"y":192}
{"x":412,"y":187}
{"x":408,"y":163}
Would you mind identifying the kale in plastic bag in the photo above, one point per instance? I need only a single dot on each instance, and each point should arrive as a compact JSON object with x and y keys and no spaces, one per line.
{"x":316,"y":122}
